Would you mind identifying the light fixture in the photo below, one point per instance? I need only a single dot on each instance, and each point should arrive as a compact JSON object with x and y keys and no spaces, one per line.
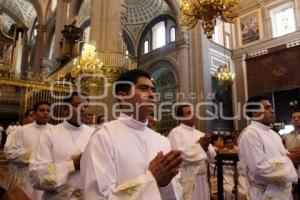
{"x":207,"y":11}
{"x":224,"y":76}
{"x":87,"y":63}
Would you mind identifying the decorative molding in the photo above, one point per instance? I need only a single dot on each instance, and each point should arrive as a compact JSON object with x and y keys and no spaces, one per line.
{"x":33,"y":84}
{"x":293,"y":44}
{"x":257,"y":53}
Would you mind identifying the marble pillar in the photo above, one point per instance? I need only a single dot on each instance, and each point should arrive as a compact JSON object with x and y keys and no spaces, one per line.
{"x":38,"y":49}
{"x":106,"y":35}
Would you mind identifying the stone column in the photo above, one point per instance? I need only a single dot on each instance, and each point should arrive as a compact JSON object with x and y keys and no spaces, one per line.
{"x":38,"y":49}
{"x":106,"y":29}
{"x":106,"y":34}
{"x":184,"y":76}
{"x":200,"y":77}
{"x":18,"y":51}
{"x":240,"y":89}
{"x":61,"y":20}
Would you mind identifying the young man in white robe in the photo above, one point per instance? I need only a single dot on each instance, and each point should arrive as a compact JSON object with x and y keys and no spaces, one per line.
{"x":55,"y":162}
{"x":194,"y":144}
{"x":125,"y":159}
{"x":266,"y":162}
{"x":292,"y":143}
{"x":21,"y":142}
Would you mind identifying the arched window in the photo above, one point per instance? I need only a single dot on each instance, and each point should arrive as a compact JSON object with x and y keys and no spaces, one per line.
{"x":51,"y":48}
{"x":172,"y":34}
{"x":34,"y":32}
{"x":53,"y":5}
{"x":146,"y":47}
{"x":158,"y":35}
{"x":86,"y":34}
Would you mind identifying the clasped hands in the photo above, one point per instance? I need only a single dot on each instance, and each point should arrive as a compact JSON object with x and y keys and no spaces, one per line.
{"x":294,"y":155}
{"x":165,"y":167}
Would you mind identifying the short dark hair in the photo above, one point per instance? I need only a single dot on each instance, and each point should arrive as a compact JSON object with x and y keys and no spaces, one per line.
{"x":179,"y":110}
{"x":129,"y":76}
{"x":69,"y":99}
{"x":251,"y":104}
{"x":99,"y":118}
{"x":228,"y":137}
{"x":296,"y":110}
{"x":26,"y":114}
{"x":214,"y":138}
{"x":36,"y":105}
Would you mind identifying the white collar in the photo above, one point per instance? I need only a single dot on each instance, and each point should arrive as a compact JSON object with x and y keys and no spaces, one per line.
{"x":39,"y":126}
{"x":260,"y":125}
{"x":131,"y":122}
{"x":67,"y":125}
{"x":186,"y":127}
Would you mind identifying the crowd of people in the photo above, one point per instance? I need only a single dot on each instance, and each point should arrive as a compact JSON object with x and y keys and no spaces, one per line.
{"x":127,"y":159}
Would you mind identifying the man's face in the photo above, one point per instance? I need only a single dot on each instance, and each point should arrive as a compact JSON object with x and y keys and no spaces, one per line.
{"x":296,"y":120}
{"x":189,"y":116}
{"x":42,"y":115}
{"x":102,"y":120}
{"x":30,"y":118}
{"x":89,"y":119}
{"x":142,"y":99}
{"x":219,"y":143}
{"x":266,"y":115}
{"x":79,"y":109}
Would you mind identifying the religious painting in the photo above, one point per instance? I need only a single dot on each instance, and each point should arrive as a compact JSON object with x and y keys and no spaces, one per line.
{"x":250,"y":28}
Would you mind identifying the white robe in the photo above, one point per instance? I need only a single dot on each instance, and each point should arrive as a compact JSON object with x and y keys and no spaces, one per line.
{"x":193,"y":172}
{"x":51,"y":166}
{"x":269,"y":171}
{"x":18,"y":148}
{"x":11,"y":128}
{"x":115,"y":163}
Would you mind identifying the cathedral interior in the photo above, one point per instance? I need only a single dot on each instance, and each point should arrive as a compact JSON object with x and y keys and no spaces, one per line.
{"x":215,"y":64}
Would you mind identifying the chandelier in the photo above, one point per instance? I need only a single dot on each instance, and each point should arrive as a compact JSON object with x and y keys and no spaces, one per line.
{"x":207,"y":11}
{"x":224,"y":76}
{"x":88,"y":62}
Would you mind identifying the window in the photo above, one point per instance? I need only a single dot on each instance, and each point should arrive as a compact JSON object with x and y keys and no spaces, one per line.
{"x":283,"y":19}
{"x":34,"y":32}
{"x":172,"y":34}
{"x":146,"y":47}
{"x":227,"y":33}
{"x":86,"y":34}
{"x":222,"y":34}
{"x":53,"y":5}
{"x":52,"y":47}
{"x":218,"y":33}
{"x":158,"y":35}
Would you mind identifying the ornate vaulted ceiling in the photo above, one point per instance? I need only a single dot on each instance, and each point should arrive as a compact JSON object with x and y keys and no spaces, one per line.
{"x":18,"y":11}
{"x":8,"y":22}
{"x":140,"y":12}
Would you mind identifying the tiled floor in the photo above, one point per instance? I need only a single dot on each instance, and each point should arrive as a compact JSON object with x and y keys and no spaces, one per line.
{"x":4,"y":171}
